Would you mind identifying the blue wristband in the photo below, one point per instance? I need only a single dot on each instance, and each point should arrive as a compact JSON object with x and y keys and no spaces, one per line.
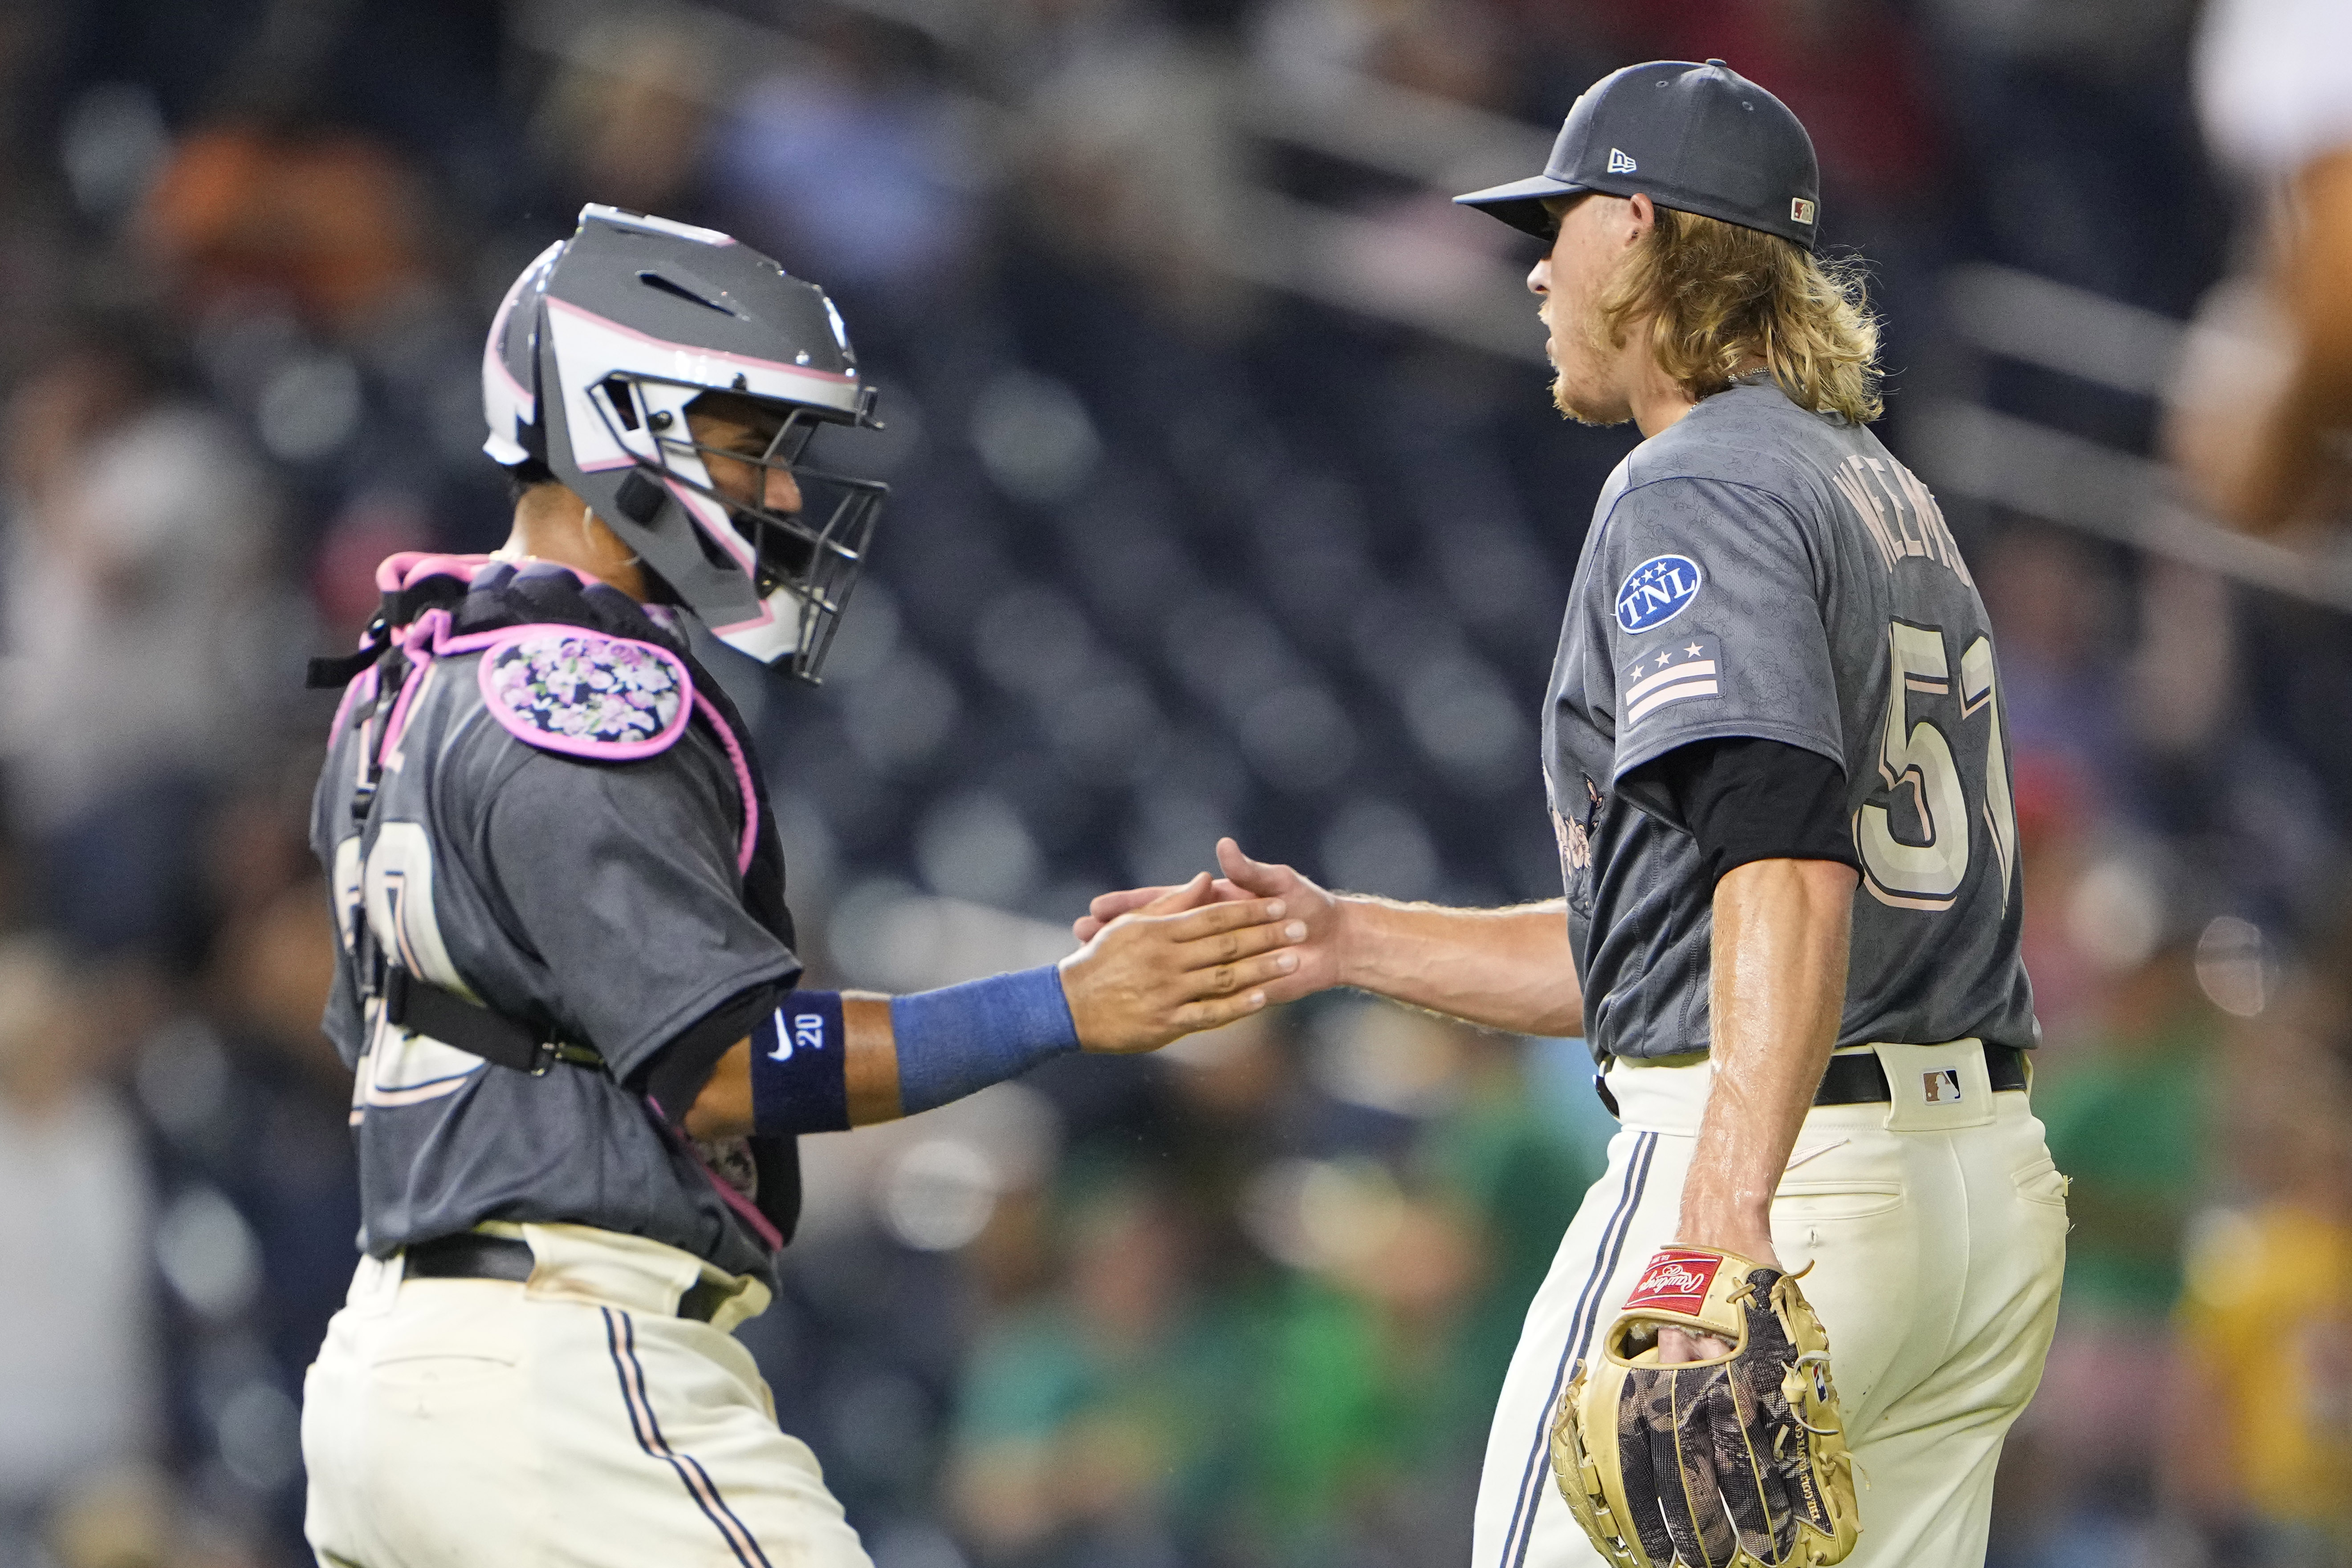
{"x":799,"y":1067}
{"x":962,"y":1037}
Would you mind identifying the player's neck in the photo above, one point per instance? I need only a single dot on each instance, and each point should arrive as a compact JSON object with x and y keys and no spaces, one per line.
{"x":551,"y":523}
{"x":1658,"y":399}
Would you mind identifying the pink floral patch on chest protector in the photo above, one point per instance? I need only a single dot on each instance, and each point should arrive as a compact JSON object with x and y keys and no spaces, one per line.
{"x":567,"y":689}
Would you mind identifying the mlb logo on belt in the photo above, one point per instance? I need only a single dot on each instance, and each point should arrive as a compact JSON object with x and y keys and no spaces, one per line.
{"x":1943,"y":1085}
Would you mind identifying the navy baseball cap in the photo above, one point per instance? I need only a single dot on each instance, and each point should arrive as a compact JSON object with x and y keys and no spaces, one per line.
{"x":1698,"y":138}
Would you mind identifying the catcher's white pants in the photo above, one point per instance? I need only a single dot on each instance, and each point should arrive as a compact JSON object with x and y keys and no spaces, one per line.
{"x":1937,"y":1235}
{"x":572,"y":1420}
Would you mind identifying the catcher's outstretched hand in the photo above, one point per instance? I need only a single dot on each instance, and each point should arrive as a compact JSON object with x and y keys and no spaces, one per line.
{"x":1318,"y":952}
{"x":1109,"y":906}
{"x":1181,"y":961}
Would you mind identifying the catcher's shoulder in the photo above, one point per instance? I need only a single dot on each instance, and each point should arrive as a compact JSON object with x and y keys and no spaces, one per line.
{"x":584,"y":693}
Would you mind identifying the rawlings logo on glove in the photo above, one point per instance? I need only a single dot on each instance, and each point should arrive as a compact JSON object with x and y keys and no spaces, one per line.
{"x":1738,"y":1461}
{"x":1675,"y":1280}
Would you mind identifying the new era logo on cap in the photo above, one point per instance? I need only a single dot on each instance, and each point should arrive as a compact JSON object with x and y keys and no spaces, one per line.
{"x":1712,"y":141}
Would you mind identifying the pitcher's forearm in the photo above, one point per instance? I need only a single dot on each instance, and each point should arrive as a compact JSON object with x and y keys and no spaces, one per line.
{"x":1777,"y":994}
{"x":1502,"y":969}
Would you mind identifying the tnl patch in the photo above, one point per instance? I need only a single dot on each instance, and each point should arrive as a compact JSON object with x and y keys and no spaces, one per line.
{"x":1675,"y":1280}
{"x":1684,"y":668}
{"x":1943,"y":1085}
{"x":1657,"y":590}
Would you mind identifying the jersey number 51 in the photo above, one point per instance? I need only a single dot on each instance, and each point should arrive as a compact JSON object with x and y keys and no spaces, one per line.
{"x":1929,"y":875}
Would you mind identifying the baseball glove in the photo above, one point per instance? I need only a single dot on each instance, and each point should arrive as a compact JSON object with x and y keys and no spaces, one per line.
{"x":1736,"y":1462}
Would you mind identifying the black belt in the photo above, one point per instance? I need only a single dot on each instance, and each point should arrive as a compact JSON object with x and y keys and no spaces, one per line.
{"x":1858,"y":1078}
{"x":470,"y":1255}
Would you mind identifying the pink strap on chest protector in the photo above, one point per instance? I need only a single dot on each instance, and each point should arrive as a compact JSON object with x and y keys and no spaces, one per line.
{"x":584,"y":693}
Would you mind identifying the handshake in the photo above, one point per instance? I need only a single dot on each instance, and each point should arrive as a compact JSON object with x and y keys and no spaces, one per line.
{"x":1158,"y":963}
{"x":1162,"y":962}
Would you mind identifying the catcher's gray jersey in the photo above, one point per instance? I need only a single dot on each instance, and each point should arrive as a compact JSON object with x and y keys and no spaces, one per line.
{"x":1755,"y":569}
{"x":603,"y":894}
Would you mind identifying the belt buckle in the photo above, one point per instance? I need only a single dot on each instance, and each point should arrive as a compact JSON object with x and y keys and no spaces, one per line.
{"x":1936,"y":1088}
{"x":700,"y":1303}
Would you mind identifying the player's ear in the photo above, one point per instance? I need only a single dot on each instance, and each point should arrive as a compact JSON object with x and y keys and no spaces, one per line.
{"x":1640,"y":217}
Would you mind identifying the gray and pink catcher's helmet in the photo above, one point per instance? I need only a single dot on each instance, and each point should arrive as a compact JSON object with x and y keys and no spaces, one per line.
{"x":594,"y":355}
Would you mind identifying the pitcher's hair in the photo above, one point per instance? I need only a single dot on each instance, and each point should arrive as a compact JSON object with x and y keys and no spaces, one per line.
{"x":1720,"y":295}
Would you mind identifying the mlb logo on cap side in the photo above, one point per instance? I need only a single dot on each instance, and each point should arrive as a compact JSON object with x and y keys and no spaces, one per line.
{"x":1800,"y":211}
{"x":1943,"y":1085}
{"x":1619,"y":163}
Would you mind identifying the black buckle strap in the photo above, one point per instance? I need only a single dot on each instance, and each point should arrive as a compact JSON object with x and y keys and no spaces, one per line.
{"x":396,"y":609}
{"x":442,"y":1013}
{"x":471,"y":1254}
{"x":332,"y":672}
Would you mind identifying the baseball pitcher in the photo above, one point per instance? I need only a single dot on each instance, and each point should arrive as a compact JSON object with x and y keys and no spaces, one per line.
{"x":1830,"y":1237}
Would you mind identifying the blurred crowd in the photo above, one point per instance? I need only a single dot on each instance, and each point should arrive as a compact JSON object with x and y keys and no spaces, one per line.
{"x":1177,"y":546}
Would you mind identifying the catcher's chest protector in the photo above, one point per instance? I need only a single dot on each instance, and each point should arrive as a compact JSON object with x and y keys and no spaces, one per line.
{"x":1739,"y":1461}
{"x":575,"y":667}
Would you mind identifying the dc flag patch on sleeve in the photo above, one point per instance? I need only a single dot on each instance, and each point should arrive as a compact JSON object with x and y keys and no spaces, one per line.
{"x":1678,"y":671}
{"x":1657,"y":590}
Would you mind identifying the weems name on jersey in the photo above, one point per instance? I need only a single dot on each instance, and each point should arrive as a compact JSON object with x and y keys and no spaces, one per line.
{"x":1657,"y":590}
{"x":1899,"y":512}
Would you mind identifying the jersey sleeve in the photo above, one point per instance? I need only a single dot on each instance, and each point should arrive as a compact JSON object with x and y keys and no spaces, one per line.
{"x":1713,"y":625}
{"x":623,"y":879}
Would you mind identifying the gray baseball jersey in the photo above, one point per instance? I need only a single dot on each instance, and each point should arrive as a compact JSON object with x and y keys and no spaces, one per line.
{"x":1759,"y":570}
{"x":602,"y":895}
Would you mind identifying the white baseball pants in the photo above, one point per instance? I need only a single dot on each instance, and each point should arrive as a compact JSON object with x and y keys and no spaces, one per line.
{"x":1937,"y":1235}
{"x":569,"y":1419}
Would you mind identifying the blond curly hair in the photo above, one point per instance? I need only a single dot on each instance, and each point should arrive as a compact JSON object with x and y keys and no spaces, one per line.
{"x":1720,"y":297}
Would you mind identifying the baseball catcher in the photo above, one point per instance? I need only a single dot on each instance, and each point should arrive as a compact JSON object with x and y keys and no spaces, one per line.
{"x":566,"y":980}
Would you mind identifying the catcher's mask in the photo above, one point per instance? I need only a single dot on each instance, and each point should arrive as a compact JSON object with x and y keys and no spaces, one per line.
{"x":599,"y":353}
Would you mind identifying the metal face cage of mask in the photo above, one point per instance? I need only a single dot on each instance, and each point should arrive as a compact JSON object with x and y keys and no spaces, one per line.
{"x":818,"y":565}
